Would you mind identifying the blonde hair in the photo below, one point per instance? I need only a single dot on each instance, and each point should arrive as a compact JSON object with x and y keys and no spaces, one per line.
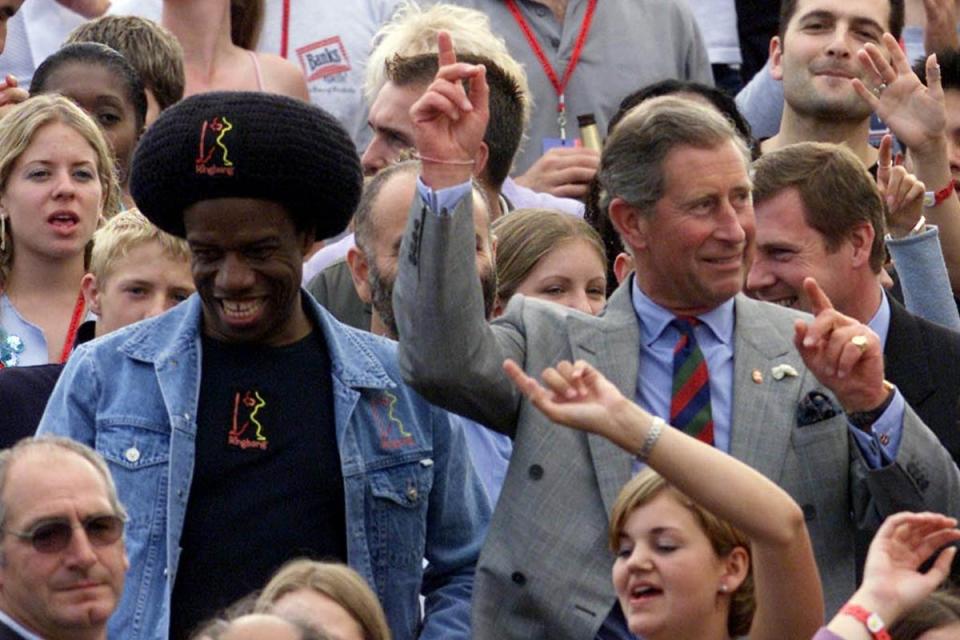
{"x":338,"y":582}
{"x":413,"y":30}
{"x":526,"y":236}
{"x":125,"y":232}
{"x":723,"y":536}
{"x":17,"y":130}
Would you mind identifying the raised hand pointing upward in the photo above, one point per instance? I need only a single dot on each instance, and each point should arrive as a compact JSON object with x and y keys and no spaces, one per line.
{"x":450,"y":119}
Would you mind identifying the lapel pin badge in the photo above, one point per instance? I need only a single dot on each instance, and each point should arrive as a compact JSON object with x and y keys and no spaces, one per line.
{"x":782,"y":371}
{"x":757,"y":376}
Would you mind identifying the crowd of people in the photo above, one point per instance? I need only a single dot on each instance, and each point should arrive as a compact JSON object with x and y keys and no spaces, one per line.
{"x":479,"y":319}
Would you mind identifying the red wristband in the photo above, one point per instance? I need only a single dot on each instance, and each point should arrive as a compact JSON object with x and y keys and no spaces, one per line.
{"x":936,"y":198}
{"x":872,"y":621}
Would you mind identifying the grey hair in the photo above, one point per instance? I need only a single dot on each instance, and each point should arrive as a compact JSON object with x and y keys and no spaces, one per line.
{"x":631,"y":166}
{"x":8,"y":456}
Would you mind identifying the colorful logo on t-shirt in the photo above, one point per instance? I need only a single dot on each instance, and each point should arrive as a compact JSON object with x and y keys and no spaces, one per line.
{"x":214,"y":155}
{"x":324,"y":58}
{"x":392,"y":433}
{"x":246,"y":431}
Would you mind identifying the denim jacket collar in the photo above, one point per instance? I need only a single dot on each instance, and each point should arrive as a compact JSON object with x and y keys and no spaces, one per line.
{"x":178,"y":332}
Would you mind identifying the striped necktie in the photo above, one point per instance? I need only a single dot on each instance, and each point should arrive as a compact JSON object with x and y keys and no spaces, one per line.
{"x":690,"y":402}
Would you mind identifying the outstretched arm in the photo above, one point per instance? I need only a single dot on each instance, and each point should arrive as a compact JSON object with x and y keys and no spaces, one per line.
{"x":789,"y":596}
{"x":892,"y":583}
{"x":917,"y":116}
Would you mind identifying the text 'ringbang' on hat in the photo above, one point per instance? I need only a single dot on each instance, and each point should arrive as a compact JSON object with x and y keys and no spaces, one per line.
{"x":247,"y":145}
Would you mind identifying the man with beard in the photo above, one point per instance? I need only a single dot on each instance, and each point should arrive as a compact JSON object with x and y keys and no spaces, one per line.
{"x":814,"y":56}
{"x":379,"y":222}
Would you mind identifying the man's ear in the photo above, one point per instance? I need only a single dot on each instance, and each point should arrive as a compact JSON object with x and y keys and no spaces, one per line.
{"x":307,"y":239}
{"x":480,"y":162}
{"x":91,"y":294}
{"x":776,"y":58}
{"x":630,"y":223}
{"x":861,"y":239}
{"x":359,"y":271}
{"x":622,"y":266}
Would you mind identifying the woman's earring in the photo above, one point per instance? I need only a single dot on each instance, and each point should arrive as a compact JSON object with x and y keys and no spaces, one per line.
{"x":723,"y":588}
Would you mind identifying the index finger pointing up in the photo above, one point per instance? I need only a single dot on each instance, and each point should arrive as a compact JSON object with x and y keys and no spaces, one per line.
{"x":819,"y":302}
{"x":445,"y":53}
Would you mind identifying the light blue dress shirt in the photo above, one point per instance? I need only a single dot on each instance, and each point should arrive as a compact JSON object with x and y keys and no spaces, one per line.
{"x":655,"y":375}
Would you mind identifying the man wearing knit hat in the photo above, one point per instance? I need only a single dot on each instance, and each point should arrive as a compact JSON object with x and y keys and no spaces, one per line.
{"x":247,"y":426}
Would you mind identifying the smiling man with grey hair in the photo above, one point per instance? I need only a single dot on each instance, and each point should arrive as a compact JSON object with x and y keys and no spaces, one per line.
{"x":693,"y":239}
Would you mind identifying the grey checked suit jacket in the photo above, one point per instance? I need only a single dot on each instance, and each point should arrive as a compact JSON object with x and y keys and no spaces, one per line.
{"x":545,"y":568}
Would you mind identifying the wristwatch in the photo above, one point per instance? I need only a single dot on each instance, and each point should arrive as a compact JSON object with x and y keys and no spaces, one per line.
{"x":870,"y":619}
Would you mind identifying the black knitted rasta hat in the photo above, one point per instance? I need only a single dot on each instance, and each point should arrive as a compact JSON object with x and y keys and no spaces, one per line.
{"x":247,"y":145}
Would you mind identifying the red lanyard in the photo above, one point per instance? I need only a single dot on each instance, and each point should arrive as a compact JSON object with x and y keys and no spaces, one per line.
{"x":72,"y":329}
{"x":285,"y":29}
{"x":558,"y":85}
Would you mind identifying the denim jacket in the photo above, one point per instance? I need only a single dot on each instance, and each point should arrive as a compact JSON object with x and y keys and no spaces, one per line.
{"x":410,"y":489}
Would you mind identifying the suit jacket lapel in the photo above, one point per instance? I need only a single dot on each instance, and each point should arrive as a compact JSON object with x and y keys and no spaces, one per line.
{"x":616,"y":354}
{"x":764,"y":408}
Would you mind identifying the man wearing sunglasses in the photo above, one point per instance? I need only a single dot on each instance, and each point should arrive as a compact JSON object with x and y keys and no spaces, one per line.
{"x":62,"y":557}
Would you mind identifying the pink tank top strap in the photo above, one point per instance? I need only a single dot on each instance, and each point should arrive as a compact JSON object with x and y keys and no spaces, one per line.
{"x":256,"y":69}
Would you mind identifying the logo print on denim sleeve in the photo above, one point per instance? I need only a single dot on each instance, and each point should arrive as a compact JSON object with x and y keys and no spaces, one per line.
{"x":213,"y":156}
{"x":393,"y":435}
{"x":246,"y":406}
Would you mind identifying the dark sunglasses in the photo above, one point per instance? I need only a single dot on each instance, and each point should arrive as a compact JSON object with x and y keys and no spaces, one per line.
{"x":52,"y":536}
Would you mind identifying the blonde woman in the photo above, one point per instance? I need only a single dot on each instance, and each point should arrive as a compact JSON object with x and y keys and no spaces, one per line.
{"x":705,"y":546}
{"x":552,"y":256}
{"x":329,"y":596}
{"x":56,"y":182}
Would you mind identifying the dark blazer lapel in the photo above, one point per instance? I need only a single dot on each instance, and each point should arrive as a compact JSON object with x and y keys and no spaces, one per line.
{"x":906,"y":357}
{"x":764,"y":410}
{"x":614,"y":350}
{"x":6,"y":633}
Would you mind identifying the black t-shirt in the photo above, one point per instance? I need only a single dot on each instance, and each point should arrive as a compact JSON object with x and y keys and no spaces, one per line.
{"x":267,"y":485}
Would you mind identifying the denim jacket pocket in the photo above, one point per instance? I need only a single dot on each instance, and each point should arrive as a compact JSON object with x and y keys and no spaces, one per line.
{"x":400,"y":498}
{"x":138,"y":459}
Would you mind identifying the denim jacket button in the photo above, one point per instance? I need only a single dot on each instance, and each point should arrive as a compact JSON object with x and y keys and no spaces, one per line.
{"x":412,"y":494}
{"x":132,"y":454}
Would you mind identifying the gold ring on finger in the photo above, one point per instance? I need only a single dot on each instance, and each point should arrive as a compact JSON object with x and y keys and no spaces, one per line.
{"x":860,"y":342}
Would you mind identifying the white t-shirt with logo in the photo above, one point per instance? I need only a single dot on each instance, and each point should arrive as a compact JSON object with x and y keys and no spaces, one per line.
{"x":329,"y":40}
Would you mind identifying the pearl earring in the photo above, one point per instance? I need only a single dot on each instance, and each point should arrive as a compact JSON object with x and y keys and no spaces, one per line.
{"x":723,"y":588}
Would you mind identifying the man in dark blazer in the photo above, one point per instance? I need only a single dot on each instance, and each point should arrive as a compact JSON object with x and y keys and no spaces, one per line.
{"x":675,"y":178}
{"x":820,"y":214}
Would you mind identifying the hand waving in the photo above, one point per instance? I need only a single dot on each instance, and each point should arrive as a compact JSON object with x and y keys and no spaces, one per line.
{"x":914,"y":112}
{"x":891,"y":574}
